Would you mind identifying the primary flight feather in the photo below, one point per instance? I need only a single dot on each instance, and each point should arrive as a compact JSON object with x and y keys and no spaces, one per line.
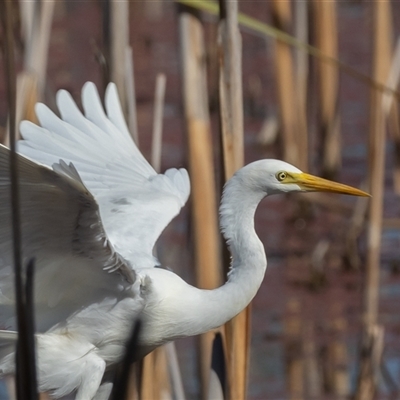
{"x":92,"y":209}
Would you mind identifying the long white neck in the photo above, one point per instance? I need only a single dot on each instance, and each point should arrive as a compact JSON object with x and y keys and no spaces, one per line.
{"x":181,"y":310}
{"x":215,"y":307}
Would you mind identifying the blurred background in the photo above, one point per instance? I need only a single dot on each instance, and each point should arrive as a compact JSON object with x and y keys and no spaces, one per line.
{"x":313,"y":94}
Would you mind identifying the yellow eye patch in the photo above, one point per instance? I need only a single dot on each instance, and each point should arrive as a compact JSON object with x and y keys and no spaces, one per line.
{"x":281,"y":176}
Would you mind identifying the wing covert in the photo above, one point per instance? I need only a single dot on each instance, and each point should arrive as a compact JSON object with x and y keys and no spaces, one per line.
{"x":136,"y":203}
{"x":62,"y":230}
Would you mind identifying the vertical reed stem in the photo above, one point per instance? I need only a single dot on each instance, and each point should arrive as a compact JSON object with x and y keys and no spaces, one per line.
{"x":25,"y":352}
{"x":313,"y":378}
{"x":204,"y":207}
{"x":301,"y":21}
{"x":231,"y":114}
{"x":294,"y":351}
{"x":131,"y":97}
{"x":326,"y":37}
{"x":230,"y":88}
{"x":37,"y":41}
{"x":157,"y":122}
{"x":285,"y":84}
{"x":390,"y":108}
{"x":377,"y":138}
{"x":337,"y":348}
{"x":156,"y":365}
{"x":119,"y":43}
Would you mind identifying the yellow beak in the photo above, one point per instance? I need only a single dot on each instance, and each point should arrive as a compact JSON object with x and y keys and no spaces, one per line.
{"x":313,"y":183}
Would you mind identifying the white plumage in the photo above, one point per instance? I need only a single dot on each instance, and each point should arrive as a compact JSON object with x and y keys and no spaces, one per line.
{"x":92,"y":209}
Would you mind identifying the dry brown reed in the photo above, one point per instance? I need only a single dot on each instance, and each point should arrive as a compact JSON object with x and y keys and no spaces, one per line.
{"x":382,"y":52}
{"x":231,"y":116}
{"x":286,"y":85}
{"x":204,"y":206}
{"x":326,"y":35}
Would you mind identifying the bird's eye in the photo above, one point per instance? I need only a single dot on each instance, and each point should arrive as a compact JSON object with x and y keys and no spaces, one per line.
{"x":281,"y":176}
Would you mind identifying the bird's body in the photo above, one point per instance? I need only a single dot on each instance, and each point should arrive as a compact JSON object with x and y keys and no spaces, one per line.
{"x":92,"y":221}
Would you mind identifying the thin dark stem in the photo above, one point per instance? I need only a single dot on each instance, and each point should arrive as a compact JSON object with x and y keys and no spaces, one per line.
{"x":25,"y":366}
{"x":218,"y":364}
{"x":30,"y":327}
{"x":121,"y":379}
{"x":222,"y":9}
{"x":106,"y":45}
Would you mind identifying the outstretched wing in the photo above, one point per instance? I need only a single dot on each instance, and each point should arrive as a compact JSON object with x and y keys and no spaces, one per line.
{"x":76,"y":265}
{"x":136,"y":203}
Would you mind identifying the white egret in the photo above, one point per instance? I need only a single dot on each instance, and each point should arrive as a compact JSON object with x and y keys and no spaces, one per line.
{"x":92,"y":209}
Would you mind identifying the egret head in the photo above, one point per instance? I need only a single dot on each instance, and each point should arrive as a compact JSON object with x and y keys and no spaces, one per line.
{"x":275,"y":176}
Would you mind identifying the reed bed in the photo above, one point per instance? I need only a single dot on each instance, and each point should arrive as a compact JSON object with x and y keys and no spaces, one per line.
{"x":302,"y":82}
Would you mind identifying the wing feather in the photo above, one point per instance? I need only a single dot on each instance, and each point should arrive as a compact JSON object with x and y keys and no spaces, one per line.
{"x":136,"y":203}
{"x":61,"y":228}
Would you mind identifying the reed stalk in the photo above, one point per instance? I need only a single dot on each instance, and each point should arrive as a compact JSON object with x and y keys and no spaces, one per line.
{"x":312,"y":376}
{"x":157,"y":122}
{"x":231,"y":115}
{"x":130,"y":97}
{"x":37,"y":31}
{"x":230,"y":88}
{"x":390,"y":109}
{"x":326,"y":35}
{"x":204,"y":206}
{"x":262,"y":29}
{"x":119,"y":35}
{"x":26,"y":381}
{"x":338,"y":356}
{"x":285,"y":84}
{"x":154,"y":378}
{"x":301,"y":80}
{"x":377,"y":138}
{"x":36,"y":20}
{"x":294,"y":351}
